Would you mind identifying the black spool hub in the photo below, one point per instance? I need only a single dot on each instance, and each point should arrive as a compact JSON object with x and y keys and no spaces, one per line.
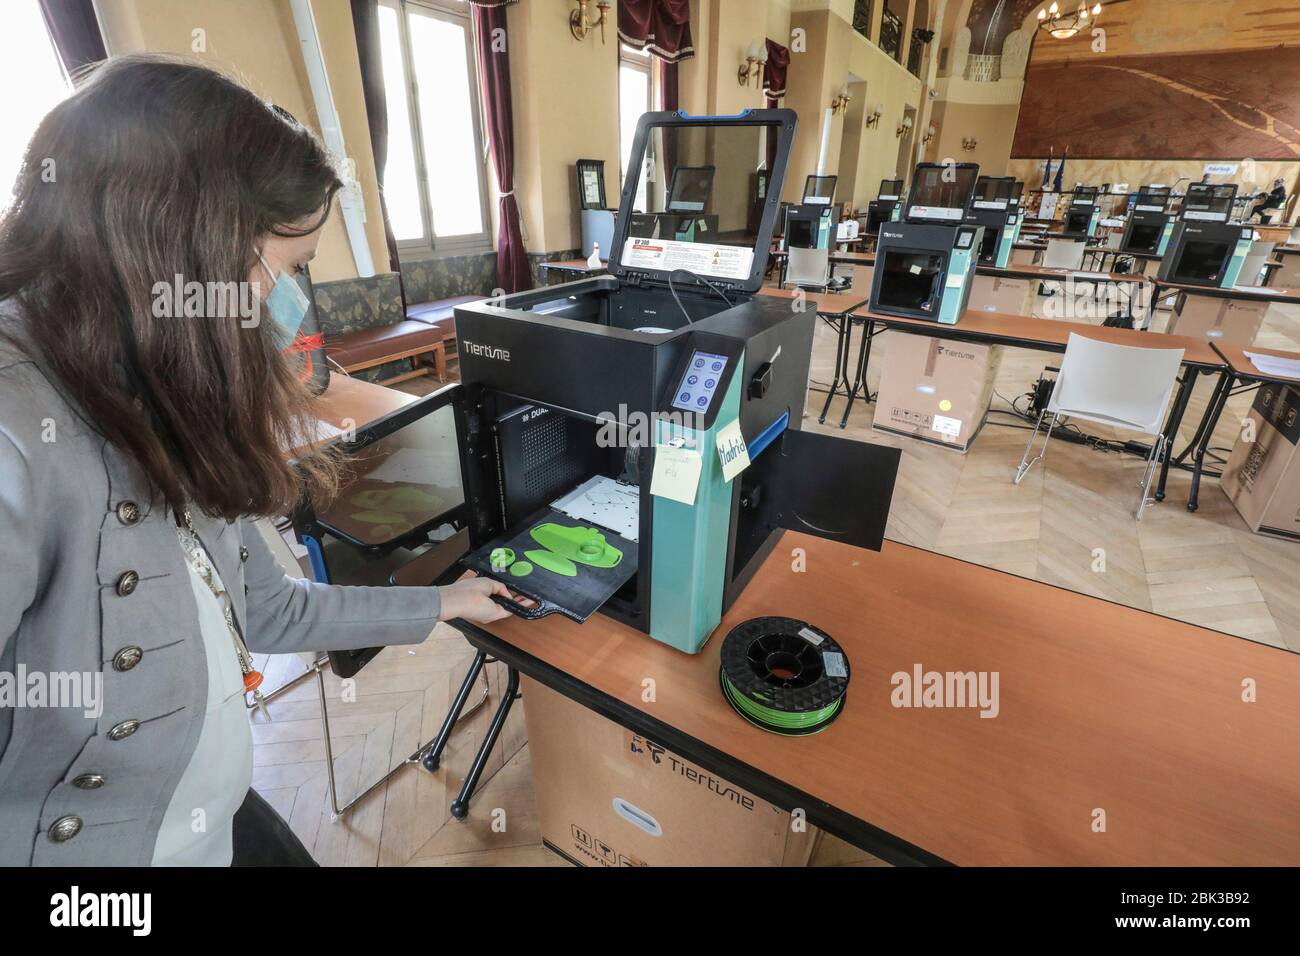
{"x":767,"y":660}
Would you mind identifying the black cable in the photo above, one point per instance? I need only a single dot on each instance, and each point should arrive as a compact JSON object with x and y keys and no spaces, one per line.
{"x":698,"y":278}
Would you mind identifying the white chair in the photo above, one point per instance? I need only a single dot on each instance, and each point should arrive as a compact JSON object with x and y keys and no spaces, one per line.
{"x":808,"y":268}
{"x":1061,"y":254}
{"x":1116,"y":385}
{"x":1252,"y":267}
{"x":1064,"y":254}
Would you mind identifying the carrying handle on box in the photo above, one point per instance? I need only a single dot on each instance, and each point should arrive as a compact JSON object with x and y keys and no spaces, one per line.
{"x":637,"y":817}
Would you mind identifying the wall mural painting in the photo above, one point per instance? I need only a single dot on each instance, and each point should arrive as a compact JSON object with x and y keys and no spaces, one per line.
{"x":1186,"y":106}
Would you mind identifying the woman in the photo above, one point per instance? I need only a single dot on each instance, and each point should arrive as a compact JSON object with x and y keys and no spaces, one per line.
{"x":135,"y":448}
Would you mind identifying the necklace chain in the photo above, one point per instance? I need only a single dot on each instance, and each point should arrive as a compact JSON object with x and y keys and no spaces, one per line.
{"x":202,"y":562}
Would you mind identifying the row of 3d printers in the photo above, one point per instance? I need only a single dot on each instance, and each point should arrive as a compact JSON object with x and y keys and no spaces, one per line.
{"x":1198,"y":245}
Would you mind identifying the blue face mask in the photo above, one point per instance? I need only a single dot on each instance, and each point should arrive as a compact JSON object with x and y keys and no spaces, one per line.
{"x":287,"y":304}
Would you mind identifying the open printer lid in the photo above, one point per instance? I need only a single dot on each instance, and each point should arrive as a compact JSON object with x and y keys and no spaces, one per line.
{"x":1205,"y":202}
{"x":995,"y":193}
{"x":941,"y":193}
{"x":689,"y":197}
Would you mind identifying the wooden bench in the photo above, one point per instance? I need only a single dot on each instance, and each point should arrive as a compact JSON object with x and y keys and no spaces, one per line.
{"x":409,"y":339}
{"x":425,"y":331}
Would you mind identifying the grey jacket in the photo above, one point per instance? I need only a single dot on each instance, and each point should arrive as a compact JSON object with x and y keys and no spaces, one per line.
{"x":93,"y":582}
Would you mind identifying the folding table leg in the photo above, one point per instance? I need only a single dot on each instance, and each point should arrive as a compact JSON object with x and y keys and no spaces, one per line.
{"x":1185,"y":388}
{"x":840,"y":361}
{"x":434,"y":755}
{"x":860,"y":372}
{"x":460,"y":806}
{"x":1217,"y":403}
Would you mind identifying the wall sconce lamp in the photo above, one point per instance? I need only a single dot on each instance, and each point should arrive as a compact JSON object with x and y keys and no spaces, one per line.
{"x":969,"y":143}
{"x":874,"y":114}
{"x":581,"y":23}
{"x":929,"y":135}
{"x":904,"y":126}
{"x":755,"y":61}
{"x":841,"y":101}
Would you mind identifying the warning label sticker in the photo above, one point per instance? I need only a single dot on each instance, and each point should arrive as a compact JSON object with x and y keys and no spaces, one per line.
{"x":721,"y":262}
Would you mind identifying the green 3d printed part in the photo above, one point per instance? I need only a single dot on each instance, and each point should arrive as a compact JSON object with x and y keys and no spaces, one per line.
{"x":583,"y":545}
{"x":521,"y":569}
{"x":557,"y":563}
{"x":501,"y":558}
{"x":783,"y":675}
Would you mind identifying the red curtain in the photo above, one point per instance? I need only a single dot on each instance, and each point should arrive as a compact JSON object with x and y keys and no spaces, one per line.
{"x":774,"y":73}
{"x":778,"y":63}
{"x":513,"y":274}
{"x":662,"y":26}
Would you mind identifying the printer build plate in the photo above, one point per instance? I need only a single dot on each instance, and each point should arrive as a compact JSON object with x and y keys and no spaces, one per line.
{"x":576,"y":597}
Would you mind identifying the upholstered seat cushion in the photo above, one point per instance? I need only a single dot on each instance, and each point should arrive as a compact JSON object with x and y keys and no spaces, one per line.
{"x":366,"y":346}
{"x":440,"y":313}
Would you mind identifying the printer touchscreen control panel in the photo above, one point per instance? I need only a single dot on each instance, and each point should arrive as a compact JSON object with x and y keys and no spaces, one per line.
{"x":700,"y":381}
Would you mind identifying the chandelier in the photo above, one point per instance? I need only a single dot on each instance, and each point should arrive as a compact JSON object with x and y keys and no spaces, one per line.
{"x":1065,"y":25}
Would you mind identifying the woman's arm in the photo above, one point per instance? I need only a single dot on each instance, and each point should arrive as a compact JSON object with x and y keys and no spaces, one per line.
{"x":287,"y":614}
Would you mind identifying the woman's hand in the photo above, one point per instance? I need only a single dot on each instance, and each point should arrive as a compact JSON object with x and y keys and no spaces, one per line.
{"x":471,"y":599}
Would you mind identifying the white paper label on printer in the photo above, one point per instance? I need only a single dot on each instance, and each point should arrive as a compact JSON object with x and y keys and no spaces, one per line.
{"x":733,"y":453}
{"x":955,"y":280}
{"x":706,"y":259}
{"x":946,"y":426}
{"x":676,"y":474}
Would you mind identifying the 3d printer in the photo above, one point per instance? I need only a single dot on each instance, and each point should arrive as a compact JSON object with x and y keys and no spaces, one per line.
{"x":811,"y":230}
{"x":1149,"y":224}
{"x":924,"y":264}
{"x":886,"y":206}
{"x":992,"y":207}
{"x":1204,"y":248}
{"x":602,"y":421}
{"x":1084,"y":213}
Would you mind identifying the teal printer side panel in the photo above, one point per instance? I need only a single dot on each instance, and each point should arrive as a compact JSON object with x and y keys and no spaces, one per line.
{"x":689,"y":557}
{"x":956,"y":291}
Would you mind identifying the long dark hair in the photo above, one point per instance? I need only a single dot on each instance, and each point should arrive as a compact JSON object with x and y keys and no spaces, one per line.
{"x":155,"y":168}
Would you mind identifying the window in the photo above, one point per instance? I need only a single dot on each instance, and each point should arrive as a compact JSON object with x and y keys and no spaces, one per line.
{"x":891,"y":33}
{"x":434,"y":182}
{"x":30,"y":63}
{"x":634,"y":89}
{"x":862,"y":17}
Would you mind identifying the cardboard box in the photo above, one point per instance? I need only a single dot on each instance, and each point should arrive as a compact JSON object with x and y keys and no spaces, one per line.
{"x":934,"y":389}
{"x":608,"y":797}
{"x":1262,"y":477}
{"x":1000,"y":294}
{"x":1217,"y":319}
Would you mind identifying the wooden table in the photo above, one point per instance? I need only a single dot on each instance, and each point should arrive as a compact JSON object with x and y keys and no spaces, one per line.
{"x":1100,"y":707}
{"x":827,"y":304}
{"x":1240,"y":371}
{"x":350,"y":404}
{"x":1051,"y":335}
